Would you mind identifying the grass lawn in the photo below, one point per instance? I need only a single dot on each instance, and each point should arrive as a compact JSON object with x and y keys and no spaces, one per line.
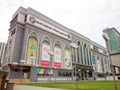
{"x":84,"y":85}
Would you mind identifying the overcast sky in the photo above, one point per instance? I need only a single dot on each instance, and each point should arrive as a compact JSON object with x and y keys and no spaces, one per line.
{"x":87,"y":17}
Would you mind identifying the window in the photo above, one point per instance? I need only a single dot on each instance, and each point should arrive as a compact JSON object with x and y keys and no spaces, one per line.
{"x":100,"y":75}
{"x":98,"y":57}
{"x":13,"y":32}
{"x":105,"y":61}
{"x":84,"y":49}
{"x":81,"y":53}
{"x":78,"y":56}
{"x":64,"y":73}
{"x":88,"y":57}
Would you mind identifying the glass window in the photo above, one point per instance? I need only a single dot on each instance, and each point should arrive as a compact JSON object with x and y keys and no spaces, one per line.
{"x":13,"y":32}
{"x":81,"y":53}
{"x":87,"y":57}
{"x":64,"y":73}
{"x":84,"y":49}
{"x":98,"y":57}
{"x":90,"y":57}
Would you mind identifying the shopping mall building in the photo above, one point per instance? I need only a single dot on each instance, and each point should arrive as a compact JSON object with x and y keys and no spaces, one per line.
{"x":41,"y":49}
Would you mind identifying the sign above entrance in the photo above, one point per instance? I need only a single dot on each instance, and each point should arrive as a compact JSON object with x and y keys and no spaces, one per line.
{"x":47,"y":26}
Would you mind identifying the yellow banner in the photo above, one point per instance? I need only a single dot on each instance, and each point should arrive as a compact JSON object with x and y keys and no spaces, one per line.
{"x":32,"y":49}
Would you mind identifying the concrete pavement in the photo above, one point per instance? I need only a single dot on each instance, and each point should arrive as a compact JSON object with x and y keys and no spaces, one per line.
{"x":24,"y":87}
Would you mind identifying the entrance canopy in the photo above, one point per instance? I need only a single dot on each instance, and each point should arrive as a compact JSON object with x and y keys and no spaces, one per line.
{"x":18,"y":67}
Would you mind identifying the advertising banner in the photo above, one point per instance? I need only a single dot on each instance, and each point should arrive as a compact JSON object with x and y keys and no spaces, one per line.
{"x":57,"y":57}
{"x":32,"y":51}
{"x":45,"y":56}
{"x":67,"y":59}
{"x":44,"y":71}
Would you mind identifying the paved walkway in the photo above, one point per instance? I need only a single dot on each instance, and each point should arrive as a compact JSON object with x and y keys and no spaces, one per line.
{"x":23,"y":87}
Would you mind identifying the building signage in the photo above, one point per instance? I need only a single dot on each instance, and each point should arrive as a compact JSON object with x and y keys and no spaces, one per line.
{"x":46,"y":26}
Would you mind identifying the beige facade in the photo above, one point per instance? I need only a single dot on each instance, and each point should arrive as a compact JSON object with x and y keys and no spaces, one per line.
{"x":115,"y":60}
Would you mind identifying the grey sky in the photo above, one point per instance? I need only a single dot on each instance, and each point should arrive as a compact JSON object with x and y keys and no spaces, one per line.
{"x":88,"y":17}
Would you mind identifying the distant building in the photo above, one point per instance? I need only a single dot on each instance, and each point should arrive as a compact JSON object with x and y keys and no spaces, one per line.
{"x":114,"y":46}
{"x":40,"y":48}
{"x":2,"y":51}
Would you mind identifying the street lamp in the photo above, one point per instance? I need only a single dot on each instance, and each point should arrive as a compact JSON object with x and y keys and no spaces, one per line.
{"x":51,"y":53}
{"x":106,"y":38}
{"x":22,"y":62}
{"x":75,"y":46}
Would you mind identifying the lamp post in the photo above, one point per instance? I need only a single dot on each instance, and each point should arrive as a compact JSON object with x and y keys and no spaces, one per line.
{"x":21,"y":62}
{"x":51,"y":53}
{"x":75,"y":46}
{"x":106,"y":38}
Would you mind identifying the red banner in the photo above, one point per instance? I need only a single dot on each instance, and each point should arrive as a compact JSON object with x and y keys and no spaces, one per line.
{"x":45,"y":63}
{"x":57,"y":64}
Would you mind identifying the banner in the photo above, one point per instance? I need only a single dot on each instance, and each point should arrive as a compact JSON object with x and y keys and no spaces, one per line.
{"x":57,"y":57}
{"x":44,"y":71}
{"x":45,"y":56}
{"x":32,"y":51}
{"x":67,"y":59}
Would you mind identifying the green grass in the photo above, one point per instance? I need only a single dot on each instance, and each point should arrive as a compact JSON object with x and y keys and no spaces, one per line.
{"x":85,"y":85}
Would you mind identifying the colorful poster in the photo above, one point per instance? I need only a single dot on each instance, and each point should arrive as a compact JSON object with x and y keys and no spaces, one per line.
{"x":45,"y":56}
{"x":67,"y":60}
{"x":57,"y":57}
{"x":44,"y":71}
{"x":32,"y":51}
